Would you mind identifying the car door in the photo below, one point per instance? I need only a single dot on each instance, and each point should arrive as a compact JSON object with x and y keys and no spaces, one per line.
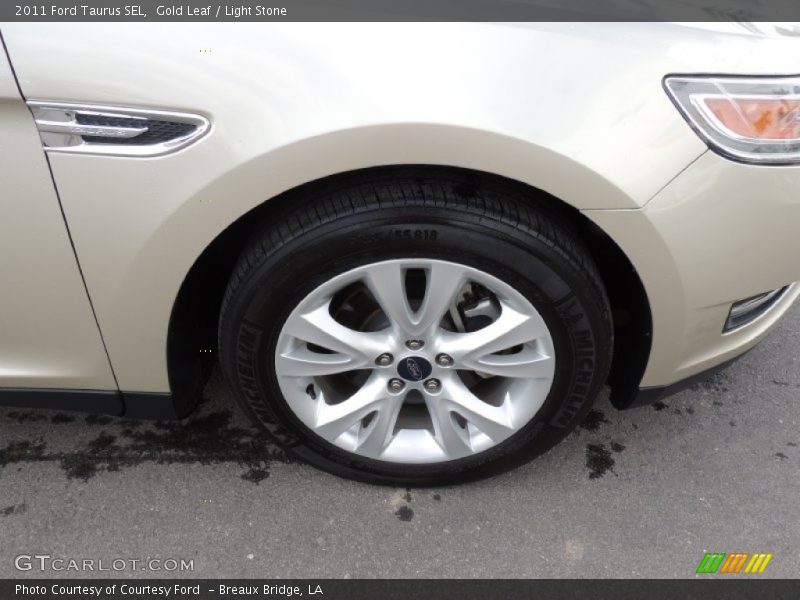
{"x":50,"y":344}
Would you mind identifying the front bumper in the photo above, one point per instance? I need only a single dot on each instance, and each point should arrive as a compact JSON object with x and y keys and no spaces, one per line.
{"x":718,"y":233}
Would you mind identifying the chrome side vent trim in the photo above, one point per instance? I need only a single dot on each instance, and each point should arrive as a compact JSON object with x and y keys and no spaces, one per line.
{"x":115,"y":131}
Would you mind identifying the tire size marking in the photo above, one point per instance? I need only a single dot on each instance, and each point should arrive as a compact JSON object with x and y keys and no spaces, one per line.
{"x":412,"y":234}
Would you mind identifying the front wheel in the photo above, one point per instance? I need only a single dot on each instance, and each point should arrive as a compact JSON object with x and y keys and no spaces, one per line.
{"x":409,"y":334}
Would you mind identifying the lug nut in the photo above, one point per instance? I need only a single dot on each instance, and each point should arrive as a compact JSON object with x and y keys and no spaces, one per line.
{"x":384,"y":360}
{"x":414,"y":344}
{"x":433,"y":385}
{"x":396,"y":385}
{"x":444,"y":360}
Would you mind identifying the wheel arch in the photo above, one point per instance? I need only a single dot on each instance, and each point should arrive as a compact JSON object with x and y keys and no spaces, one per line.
{"x":195,"y":312}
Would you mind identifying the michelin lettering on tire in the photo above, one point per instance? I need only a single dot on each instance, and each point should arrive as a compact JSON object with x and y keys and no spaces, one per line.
{"x":570,"y":310}
{"x":249,"y":339}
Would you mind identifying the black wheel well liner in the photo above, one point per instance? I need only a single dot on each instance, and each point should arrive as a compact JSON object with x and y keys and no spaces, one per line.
{"x":192,"y":335}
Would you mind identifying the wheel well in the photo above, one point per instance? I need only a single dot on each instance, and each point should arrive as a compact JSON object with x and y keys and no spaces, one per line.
{"x":192,"y":336}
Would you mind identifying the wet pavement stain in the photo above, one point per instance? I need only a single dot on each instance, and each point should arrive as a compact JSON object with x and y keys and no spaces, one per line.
{"x":716,"y":384}
{"x":61,"y":418}
{"x":594,"y":419}
{"x":14,"y":509}
{"x":256,"y":475}
{"x":598,"y":460}
{"x":401,"y":502}
{"x":784,"y":383}
{"x":404,"y":513}
{"x":204,"y":439}
{"x":18,"y":452}
{"x":27,"y":417}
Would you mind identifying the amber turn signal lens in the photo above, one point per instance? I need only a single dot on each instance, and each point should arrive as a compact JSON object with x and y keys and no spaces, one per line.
{"x":763,"y":119}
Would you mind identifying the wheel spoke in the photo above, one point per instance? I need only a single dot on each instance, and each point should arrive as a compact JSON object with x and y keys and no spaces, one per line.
{"x":302,"y":362}
{"x":373,"y":440}
{"x":492,"y":420}
{"x":510,"y":329}
{"x":334,"y":419}
{"x":387,"y":284}
{"x":318,"y":327}
{"x":443,"y":282}
{"x":386,"y":281}
{"x":527,"y":364}
{"x":453,"y":440}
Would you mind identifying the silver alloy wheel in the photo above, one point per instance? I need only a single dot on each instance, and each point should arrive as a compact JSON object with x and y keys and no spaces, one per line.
{"x":443,"y":371}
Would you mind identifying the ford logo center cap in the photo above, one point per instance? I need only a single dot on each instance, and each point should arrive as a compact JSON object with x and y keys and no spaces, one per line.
{"x":414,"y":368}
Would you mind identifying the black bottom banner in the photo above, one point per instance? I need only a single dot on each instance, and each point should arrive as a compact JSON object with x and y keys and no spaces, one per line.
{"x":388,"y":589}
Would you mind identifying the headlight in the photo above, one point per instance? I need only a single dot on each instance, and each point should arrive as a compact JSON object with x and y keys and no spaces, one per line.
{"x":754,"y":120}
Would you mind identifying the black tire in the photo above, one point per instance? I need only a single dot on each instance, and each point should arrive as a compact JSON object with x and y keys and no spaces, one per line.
{"x":496,"y":227}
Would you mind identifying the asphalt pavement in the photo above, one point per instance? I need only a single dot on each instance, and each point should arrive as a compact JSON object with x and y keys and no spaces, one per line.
{"x":641,"y":493}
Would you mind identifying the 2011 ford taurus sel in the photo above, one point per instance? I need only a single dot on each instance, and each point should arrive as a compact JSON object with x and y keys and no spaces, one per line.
{"x":418,"y":251}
